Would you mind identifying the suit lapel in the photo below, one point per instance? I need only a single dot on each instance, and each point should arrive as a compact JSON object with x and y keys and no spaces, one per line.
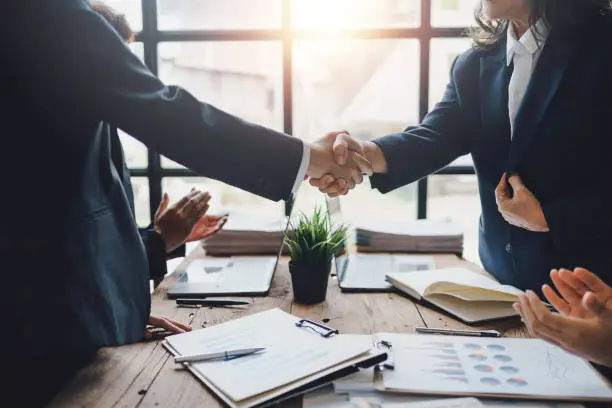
{"x":544,"y":83}
{"x":494,"y":79}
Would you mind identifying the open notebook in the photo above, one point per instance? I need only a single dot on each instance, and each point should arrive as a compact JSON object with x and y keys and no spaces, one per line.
{"x":296,"y":359}
{"x":467,"y":295}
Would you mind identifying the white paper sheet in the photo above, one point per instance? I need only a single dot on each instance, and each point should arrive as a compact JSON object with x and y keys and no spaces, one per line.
{"x":291,"y":352}
{"x":527,"y":367}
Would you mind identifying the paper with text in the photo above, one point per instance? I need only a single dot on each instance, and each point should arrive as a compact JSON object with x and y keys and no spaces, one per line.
{"x":291,"y":352}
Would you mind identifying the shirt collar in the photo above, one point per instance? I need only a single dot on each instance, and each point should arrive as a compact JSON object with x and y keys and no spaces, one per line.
{"x":532,"y":41}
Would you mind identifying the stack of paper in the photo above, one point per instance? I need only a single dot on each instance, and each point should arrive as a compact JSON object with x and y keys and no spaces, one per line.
{"x":243,"y":235}
{"x":295,"y":358}
{"x":411,"y":236}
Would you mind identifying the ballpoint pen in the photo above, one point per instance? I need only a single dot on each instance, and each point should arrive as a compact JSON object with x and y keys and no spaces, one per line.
{"x":451,"y":332}
{"x":210,"y":302}
{"x":222,"y":355}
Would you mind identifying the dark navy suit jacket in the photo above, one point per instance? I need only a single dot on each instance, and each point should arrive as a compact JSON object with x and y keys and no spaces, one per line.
{"x":561,"y":147}
{"x":75,"y":274}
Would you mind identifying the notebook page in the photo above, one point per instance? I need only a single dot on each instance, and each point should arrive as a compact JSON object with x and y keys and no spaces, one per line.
{"x":424,"y":282}
{"x":291,"y":352}
{"x":474,"y":366}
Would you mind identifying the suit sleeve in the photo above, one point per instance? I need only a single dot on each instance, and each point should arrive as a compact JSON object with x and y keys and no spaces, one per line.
{"x":156,"y":253}
{"x":75,"y":58}
{"x":421,"y":150}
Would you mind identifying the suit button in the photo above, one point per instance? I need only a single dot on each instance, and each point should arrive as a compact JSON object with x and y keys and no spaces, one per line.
{"x":509,"y":248}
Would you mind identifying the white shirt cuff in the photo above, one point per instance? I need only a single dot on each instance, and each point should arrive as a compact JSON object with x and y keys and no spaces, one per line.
{"x":303,"y":168}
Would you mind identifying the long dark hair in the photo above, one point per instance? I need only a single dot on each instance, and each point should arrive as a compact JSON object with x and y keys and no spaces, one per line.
{"x":554,"y":13}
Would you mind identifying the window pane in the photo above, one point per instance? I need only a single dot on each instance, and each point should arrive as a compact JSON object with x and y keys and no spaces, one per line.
{"x":218,"y":14}
{"x":443,"y":53}
{"x":243,"y":78}
{"x":138,"y":49}
{"x":132,"y":9}
{"x":134,"y":151}
{"x":338,"y":14}
{"x":456,"y":198}
{"x":369,"y":87}
{"x":140,"y":185}
{"x":453,"y":13}
{"x":224,"y":198}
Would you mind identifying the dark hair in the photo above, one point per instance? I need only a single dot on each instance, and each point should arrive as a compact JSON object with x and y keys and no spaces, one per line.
{"x":554,"y":13}
{"x":115,"y":19}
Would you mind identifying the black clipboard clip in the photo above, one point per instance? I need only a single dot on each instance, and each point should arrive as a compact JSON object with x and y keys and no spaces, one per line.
{"x":318,"y":328}
{"x":387,"y":347}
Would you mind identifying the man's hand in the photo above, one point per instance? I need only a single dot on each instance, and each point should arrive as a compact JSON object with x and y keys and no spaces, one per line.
{"x":206,"y":227}
{"x":343,"y":148}
{"x":176,"y":223}
{"x":520,"y":207}
{"x":160,"y":327}
{"x":588,"y":337}
{"x":340,"y":156}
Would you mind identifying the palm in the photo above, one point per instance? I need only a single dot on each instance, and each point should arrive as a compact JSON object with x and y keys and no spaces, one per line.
{"x":206,"y":227}
{"x":573,"y":287}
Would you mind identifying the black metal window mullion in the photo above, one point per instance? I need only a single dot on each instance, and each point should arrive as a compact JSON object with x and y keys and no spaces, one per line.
{"x":151,"y":36}
{"x":425,"y":54}
{"x":149,"y":29}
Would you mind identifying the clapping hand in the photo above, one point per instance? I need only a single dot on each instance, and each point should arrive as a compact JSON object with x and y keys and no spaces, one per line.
{"x":583,"y":325}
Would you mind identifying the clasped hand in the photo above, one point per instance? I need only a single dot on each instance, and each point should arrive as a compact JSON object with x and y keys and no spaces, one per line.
{"x":338,"y":163}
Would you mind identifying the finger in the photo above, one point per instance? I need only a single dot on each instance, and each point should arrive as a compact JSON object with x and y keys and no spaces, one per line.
{"x":566,"y":291}
{"x":572,"y":281}
{"x":556,"y":300}
{"x":553,"y":321}
{"x":516,"y":183}
{"x":172,"y":326}
{"x":195,"y":205}
{"x":183,"y":201}
{"x":592,"y":304}
{"x":500,"y":190}
{"x":324,"y":182}
{"x":340,"y":148}
{"x":334,"y":189}
{"x":517,"y":307}
{"x":364,"y":164}
{"x":162,"y":207}
{"x":591,"y":281}
{"x":356,"y":177}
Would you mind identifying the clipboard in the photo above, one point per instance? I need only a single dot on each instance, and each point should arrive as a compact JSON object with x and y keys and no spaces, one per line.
{"x":295,"y":388}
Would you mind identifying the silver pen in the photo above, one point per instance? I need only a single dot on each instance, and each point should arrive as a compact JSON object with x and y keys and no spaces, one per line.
{"x":450,"y":332}
{"x":222,"y":355}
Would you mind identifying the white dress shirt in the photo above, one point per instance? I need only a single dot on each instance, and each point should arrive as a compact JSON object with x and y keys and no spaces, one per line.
{"x":524,"y":52}
{"x":302,"y":169}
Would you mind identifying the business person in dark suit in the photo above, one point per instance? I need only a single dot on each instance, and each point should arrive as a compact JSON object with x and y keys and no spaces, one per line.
{"x":531,"y":104}
{"x":82,"y":282}
{"x":186,"y":220}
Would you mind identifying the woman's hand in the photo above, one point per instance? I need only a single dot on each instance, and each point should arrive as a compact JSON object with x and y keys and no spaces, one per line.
{"x":160,"y":327}
{"x":585,"y":329}
{"x":176,"y":223}
{"x":206,"y":227}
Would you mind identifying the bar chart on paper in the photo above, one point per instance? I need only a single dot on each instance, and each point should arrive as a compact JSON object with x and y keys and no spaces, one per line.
{"x":467,"y":366}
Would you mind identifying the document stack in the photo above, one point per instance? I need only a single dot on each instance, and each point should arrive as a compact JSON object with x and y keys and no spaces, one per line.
{"x":248,"y":235}
{"x":413,"y":236}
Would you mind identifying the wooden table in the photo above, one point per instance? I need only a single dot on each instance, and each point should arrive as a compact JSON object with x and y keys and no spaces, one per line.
{"x":144,"y":375}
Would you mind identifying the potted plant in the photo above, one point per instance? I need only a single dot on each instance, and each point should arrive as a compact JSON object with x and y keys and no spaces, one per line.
{"x":312,"y":243}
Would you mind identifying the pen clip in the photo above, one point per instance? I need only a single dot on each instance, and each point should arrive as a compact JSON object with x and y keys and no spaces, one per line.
{"x":318,"y":328}
{"x":387,"y":347}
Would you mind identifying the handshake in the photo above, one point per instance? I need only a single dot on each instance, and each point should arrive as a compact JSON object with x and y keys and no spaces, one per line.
{"x":338,"y":163}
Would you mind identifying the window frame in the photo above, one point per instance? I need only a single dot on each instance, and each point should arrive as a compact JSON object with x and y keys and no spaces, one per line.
{"x":151,"y":37}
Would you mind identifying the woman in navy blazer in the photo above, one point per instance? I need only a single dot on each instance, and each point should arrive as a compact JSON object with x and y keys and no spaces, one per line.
{"x":531,"y":104}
